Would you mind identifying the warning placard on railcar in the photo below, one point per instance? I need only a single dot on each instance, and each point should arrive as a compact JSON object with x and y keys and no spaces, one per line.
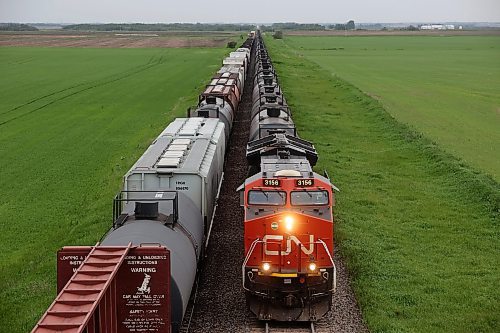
{"x":142,"y":286}
{"x":144,"y":290}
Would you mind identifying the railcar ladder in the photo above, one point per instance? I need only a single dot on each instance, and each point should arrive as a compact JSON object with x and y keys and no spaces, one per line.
{"x":87,"y":302}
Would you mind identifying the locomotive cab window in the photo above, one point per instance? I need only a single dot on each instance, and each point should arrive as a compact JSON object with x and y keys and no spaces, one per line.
{"x":266,"y":198}
{"x":309,"y":198}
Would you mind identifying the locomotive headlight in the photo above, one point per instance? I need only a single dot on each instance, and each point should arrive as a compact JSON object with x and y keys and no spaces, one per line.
{"x":266,"y":266}
{"x":312,"y":266}
{"x":289,"y":221}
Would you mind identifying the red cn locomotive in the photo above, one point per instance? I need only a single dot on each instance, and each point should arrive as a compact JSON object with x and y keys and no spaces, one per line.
{"x":288,"y":271}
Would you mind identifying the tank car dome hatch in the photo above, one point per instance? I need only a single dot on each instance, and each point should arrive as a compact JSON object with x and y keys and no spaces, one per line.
{"x":287,"y":173}
{"x":146,"y":210}
{"x":273,"y":112}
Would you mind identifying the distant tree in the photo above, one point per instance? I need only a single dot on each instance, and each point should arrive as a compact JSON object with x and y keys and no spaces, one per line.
{"x":350,"y":25}
{"x":16,"y":27}
{"x":278,"y":34}
{"x":231,"y":44}
{"x":412,"y":28}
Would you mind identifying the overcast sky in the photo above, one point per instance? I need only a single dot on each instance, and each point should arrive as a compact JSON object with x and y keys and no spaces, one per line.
{"x":252,"y":11}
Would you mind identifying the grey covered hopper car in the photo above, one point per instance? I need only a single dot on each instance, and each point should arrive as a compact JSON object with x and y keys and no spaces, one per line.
{"x":169,"y":198}
{"x":188,"y":157}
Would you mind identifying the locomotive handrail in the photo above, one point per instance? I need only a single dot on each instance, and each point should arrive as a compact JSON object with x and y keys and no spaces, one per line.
{"x":258,"y":240}
{"x":249,"y":254}
{"x":332,"y":262}
{"x":302,"y":244}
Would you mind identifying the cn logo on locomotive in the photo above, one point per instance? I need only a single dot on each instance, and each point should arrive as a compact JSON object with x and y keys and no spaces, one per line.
{"x":289,"y":241}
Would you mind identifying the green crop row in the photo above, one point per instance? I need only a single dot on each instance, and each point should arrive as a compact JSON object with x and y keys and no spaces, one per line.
{"x":72,"y":121}
{"x":446,"y":87}
{"x":418,"y":228}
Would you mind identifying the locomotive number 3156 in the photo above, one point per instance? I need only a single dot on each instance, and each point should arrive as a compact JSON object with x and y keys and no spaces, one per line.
{"x":304,"y":182}
{"x":272,"y":182}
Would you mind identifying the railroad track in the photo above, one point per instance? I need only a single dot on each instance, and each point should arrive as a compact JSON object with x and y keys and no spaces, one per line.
{"x":207,"y":311}
{"x":255,"y":326}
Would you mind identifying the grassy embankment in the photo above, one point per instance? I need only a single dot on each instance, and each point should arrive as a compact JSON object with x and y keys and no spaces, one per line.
{"x":418,"y":228}
{"x":447,"y":88}
{"x":72,"y":121}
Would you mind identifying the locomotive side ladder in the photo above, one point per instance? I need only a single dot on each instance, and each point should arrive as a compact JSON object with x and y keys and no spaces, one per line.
{"x":86,"y":303}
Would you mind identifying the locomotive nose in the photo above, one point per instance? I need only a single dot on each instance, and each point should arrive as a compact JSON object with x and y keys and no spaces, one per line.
{"x":289,"y":222}
{"x":286,"y":223}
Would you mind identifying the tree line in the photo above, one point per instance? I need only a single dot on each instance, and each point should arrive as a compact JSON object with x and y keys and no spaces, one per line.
{"x":160,"y":27}
{"x":16,"y":27}
{"x":307,"y":26}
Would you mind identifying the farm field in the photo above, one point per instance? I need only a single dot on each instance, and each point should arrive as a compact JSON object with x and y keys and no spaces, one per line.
{"x":418,"y":228}
{"x":146,"y":39}
{"x":72,"y":121}
{"x":446,"y":87}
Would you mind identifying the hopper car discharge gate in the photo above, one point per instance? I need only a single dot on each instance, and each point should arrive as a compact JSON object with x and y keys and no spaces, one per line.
{"x":108,"y":289}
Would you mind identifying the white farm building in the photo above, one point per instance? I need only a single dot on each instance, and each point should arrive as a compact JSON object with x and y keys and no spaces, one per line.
{"x":437,"y":27}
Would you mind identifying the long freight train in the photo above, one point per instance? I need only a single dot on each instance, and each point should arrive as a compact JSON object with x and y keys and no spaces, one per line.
{"x":288,"y":272}
{"x":168,"y":198}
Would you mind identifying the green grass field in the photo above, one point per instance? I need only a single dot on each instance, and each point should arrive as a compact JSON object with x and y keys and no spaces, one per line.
{"x":72,"y":121}
{"x":419,"y":229}
{"x":447,"y":88}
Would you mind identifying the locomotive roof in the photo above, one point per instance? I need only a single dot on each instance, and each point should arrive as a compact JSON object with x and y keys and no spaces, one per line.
{"x":271,"y":164}
{"x":187,"y":145}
